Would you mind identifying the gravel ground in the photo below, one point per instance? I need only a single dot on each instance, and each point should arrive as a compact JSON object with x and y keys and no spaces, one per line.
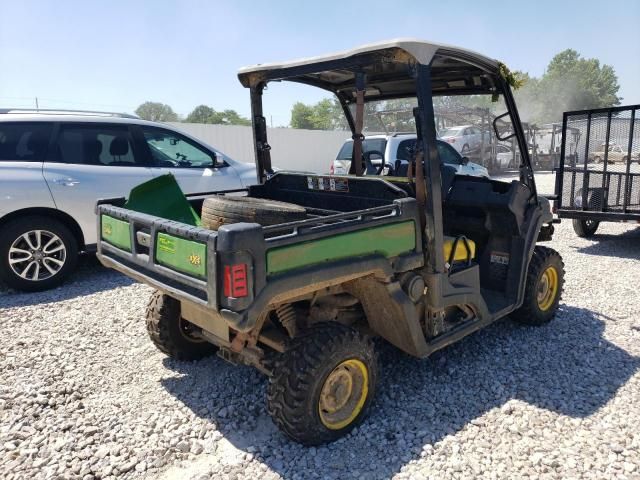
{"x":84,"y":394}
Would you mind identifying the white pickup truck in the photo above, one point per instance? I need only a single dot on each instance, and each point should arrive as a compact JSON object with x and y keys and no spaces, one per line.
{"x":395,"y":150}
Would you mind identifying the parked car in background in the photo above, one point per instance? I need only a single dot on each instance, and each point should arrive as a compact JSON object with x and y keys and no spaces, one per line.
{"x":55,"y":165}
{"x":505,"y":158}
{"x":395,"y":150}
{"x":615,"y":154}
{"x":464,"y":138}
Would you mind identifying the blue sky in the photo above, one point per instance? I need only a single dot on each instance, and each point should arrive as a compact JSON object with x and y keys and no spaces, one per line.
{"x":114,"y":55}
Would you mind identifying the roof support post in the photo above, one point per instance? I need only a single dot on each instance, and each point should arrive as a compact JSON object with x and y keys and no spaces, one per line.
{"x":426,"y":132}
{"x":356,"y":158}
{"x":260,"y":143}
{"x":347,"y":113}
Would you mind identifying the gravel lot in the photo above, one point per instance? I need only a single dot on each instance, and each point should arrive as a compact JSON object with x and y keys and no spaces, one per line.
{"x":84,"y":394}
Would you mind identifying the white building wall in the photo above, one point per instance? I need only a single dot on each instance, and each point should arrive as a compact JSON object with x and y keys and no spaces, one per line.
{"x":291,"y":149}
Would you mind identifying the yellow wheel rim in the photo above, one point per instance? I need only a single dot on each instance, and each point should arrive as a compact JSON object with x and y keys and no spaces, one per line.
{"x":343,"y":394}
{"x":547,"y":288}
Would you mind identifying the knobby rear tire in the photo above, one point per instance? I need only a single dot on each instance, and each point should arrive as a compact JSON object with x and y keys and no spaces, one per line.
{"x":293,"y":395}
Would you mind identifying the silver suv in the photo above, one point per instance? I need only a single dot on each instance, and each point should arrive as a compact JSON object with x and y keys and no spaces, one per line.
{"x":55,"y":165}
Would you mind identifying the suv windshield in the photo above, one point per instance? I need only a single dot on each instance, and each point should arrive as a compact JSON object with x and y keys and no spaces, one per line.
{"x":369,"y":144}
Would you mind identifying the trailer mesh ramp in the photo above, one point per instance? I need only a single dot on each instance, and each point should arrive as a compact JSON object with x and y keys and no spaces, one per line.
{"x":600,"y":161}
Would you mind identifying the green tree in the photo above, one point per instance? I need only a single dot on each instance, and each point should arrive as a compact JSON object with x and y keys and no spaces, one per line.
{"x":327,"y":114}
{"x":200,"y":114}
{"x":302,"y":116}
{"x":231,"y":117}
{"x":156,"y":112}
{"x":570,"y":82}
{"x":322,"y":117}
{"x":206,"y":114}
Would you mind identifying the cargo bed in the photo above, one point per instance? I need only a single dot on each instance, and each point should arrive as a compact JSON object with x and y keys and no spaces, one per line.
{"x":203,"y":266}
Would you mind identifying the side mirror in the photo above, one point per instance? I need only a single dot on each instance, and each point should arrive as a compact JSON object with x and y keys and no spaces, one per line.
{"x":218,"y":160}
{"x":465,"y":160}
{"x":502,"y":126}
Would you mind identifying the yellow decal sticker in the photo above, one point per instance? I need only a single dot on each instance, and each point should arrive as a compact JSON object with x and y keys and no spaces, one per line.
{"x":195,"y":259}
{"x":167,"y":244}
{"x":106,"y":229}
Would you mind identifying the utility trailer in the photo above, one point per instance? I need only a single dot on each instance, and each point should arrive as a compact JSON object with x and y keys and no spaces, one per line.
{"x":598,"y":179}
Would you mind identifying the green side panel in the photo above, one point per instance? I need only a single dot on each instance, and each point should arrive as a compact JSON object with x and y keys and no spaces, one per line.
{"x":116,"y":232}
{"x":162,"y":197}
{"x":182,"y":255}
{"x":388,"y":240}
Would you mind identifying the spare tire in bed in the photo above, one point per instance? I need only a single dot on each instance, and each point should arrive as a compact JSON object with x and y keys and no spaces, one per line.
{"x":220,"y":210}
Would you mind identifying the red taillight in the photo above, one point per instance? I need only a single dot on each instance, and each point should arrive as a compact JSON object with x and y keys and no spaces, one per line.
{"x":331,"y":169}
{"x":235,"y":281}
{"x":451,"y":140}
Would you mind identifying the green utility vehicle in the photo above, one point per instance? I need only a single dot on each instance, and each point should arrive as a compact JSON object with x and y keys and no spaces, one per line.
{"x":297,"y":277}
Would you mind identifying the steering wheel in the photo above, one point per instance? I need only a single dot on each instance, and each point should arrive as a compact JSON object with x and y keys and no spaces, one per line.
{"x":369,"y":167}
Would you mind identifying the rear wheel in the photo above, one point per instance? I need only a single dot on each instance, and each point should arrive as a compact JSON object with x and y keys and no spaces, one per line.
{"x":585,"y":228}
{"x":545,"y":279}
{"x":465,"y":149}
{"x":323,"y":384}
{"x":36,"y":253}
{"x":172,"y":334}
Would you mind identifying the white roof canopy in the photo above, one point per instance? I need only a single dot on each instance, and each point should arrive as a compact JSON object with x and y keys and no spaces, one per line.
{"x":320,"y":72}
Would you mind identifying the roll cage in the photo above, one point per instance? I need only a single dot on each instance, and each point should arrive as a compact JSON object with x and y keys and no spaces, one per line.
{"x":390,"y":70}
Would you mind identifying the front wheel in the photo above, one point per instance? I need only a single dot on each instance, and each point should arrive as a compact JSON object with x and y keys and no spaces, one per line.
{"x":545,"y":279}
{"x":323,"y":384}
{"x":585,"y":228}
{"x":36,"y":253}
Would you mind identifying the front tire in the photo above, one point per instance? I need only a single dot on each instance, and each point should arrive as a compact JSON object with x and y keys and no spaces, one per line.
{"x":171,"y":334}
{"x":585,"y":228}
{"x":545,"y":279}
{"x":36,"y":253}
{"x":322,"y":386}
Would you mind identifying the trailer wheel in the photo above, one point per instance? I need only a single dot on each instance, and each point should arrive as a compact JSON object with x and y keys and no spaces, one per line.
{"x":220,"y":210}
{"x":323,"y":384}
{"x":171,"y":334}
{"x":585,"y":228}
{"x":545,"y":278}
